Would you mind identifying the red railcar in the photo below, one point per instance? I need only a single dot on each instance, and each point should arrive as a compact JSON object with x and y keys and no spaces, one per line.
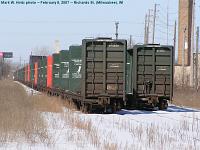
{"x":49,"y":71}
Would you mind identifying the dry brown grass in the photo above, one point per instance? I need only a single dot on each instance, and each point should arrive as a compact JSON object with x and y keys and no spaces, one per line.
{"x":19,"y":119}
{"x":45,"y":103}
{"x":186,"y":97}
{"x":111,"y":146}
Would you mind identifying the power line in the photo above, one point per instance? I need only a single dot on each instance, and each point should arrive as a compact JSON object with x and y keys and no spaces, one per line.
{"x":68,"y":21}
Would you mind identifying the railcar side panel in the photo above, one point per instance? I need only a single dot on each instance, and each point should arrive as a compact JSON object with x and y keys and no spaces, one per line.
{"x":64,"y":69}
{"x":75,"y":68}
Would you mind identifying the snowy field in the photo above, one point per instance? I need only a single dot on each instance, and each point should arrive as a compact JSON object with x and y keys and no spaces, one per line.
{"x":173,"y":129}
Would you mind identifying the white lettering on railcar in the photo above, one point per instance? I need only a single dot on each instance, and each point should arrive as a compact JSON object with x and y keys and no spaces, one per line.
{"x":162,"y":68}
{"x":113,"y":45}
{"x":78,"y":64}
{"x":66,"y":66}
{"x":56,"y":75}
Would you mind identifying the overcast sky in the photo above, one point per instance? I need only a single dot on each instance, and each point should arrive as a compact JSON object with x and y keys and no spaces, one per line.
{"x":25,"y":27}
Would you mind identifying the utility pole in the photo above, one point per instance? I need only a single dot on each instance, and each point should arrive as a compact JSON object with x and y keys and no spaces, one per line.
{"x":148,"y":25}
{"x":175,"y":36}
{"x":116,"y":26}
{"x":197,"y":59}
{"x":192,"y":61}
{"x":20,"y":61}
{"x":183,"y":59}
{"x":174,"y":42}
{"x":154,"y":22}
{"x":145,"y":30}
{"x":168,"y":23}
{"x":130,"y":42}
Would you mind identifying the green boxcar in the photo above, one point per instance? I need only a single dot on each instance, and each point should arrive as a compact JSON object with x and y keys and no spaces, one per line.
{"x":64,"y":69}
{"x":56,"y":70}
{"x":75,"y":65}
{"x":151,"y":74}
{"x":42,"y":72}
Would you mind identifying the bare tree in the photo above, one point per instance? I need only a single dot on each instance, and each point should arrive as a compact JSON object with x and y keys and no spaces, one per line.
{"x":5,"y":70}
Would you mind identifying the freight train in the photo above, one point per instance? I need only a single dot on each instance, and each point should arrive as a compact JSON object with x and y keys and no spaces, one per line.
{"x":103,"y":75}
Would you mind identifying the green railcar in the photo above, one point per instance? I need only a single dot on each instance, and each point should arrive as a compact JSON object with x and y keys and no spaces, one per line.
{"x":150,"y":79}
{"x":42,"y":71}
{"x":103,"y":81}
{"x":56,"y":70}
{"x":22,"y":74}
{"x":75,"y":65}
{"x":64,"y":69}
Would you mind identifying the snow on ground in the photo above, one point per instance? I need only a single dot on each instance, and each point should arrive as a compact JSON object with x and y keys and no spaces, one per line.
{"x":29,"y":90}
{"x":176,"y":128}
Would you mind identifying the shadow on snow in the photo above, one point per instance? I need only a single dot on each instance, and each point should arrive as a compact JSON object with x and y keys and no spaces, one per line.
{"x":171,"y":108}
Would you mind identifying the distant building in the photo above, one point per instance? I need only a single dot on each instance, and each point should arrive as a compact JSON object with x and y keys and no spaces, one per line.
{"x":185,"y":24}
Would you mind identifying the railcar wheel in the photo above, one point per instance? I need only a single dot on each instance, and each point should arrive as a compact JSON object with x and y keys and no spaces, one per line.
{"x":84,"y":108}
{"x":118,"y":106}
{"x":163,"y":105}
{"x":114,"y":108}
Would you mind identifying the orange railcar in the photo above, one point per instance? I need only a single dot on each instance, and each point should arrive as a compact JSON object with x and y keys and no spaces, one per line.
{"x":49,"y":71}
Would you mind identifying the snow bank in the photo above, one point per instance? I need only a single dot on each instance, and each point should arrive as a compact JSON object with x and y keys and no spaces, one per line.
{"x":29,"y":90}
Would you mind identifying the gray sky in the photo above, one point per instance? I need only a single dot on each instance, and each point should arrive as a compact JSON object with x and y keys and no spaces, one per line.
{"x":24,"y":27}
